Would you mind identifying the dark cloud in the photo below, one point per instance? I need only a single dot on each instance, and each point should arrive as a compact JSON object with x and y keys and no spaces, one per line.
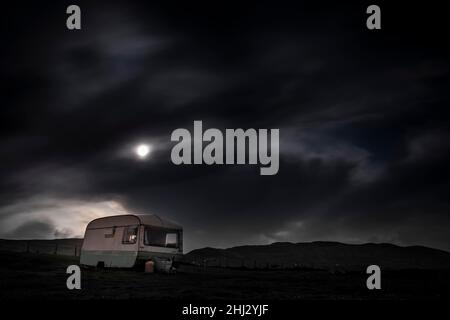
{"x":363,"y":118}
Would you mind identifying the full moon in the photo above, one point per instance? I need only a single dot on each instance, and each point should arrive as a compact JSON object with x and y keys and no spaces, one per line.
{"x":143,"y":150}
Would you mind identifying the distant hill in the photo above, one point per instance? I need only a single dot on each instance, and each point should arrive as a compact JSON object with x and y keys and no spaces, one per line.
{"x":322,"y":255}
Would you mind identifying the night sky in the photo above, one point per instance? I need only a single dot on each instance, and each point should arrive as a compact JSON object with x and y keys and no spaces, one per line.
{"x":363,"y":118}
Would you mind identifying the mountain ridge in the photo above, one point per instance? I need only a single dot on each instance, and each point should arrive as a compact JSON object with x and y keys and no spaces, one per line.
{"x":323,"y":255}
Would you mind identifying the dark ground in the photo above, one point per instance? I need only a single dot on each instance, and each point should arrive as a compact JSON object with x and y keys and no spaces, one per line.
{"x":42,"y":276}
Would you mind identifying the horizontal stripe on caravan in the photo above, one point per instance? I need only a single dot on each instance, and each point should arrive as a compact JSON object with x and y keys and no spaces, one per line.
{"x":127,"y":225}
{"x":135,"y":252}
{"x":133,"y":225}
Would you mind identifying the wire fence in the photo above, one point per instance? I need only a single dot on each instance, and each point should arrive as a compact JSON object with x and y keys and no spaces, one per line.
{"x":42,"y":246}
{"x":248,"y":264}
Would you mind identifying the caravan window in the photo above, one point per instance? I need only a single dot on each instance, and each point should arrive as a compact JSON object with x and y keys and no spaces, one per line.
{"x":130,"y":235}
{"x":110,"y":232}
{"x":161,"y":237}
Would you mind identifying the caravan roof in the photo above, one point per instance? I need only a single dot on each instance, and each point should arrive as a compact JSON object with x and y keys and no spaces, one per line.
{"x":130,"y":219}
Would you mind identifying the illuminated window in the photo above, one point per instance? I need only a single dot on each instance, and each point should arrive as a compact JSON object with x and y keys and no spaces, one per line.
{"x":130,"y":235}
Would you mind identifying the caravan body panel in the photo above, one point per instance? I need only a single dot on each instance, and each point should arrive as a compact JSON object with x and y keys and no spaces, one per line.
{"x":120,"y":241}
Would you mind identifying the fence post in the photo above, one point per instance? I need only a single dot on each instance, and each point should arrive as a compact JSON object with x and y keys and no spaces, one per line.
{"x":56,"y":248}
{"x":75,"y":251}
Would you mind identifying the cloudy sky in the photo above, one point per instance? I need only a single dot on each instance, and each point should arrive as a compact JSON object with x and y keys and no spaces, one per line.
{"x":363,"y":118}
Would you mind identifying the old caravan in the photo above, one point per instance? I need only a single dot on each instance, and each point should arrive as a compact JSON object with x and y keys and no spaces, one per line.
{"x":125,"y":241}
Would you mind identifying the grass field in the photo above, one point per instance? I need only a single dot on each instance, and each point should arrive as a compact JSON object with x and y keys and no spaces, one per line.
{"x":42,"y":276}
